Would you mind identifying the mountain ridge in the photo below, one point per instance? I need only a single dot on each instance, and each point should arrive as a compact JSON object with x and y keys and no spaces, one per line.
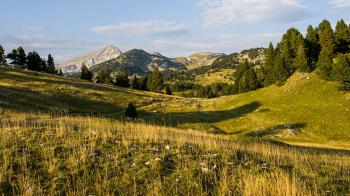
{"x":90,"y":59}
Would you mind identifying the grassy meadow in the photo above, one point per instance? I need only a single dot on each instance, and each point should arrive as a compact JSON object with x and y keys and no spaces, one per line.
{"x":63,"y":136}
{"x":49,"y":154}
{"x":211,"y":77}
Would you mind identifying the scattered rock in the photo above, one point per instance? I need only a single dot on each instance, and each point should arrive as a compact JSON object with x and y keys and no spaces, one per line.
{"x":157,"y":159}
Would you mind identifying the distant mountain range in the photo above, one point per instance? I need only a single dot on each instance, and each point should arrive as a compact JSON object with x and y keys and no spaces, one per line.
{"x":140,"y":62}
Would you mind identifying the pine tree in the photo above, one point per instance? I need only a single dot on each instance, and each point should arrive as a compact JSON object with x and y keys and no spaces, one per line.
{"x":13,"y":56}
{"x":341,"y":68}
{"x":246,"y":79}
{"x":325,"y":63}
{"x":85,"y":73}
{"x":168,"y":91}
{"x":21,"y":57}
{"x":342,"y":37}
{"x":103,"y":77}
{"x":50,"y":65}
{"x":313,"y":47}
{"x":60,"y":73}
{"x":131,"y":111}
{"x":326,"y":36}
{"x":301,"y":61}
{"x":280,"y":70}
{"x":267,"y":69}
{"x":156,"y":82}
{"x":143,"y":84}
{"x":2,"y":56}
{"x":292,"y":51}
{"x":43,"y":65}
{"x":122,"y":80}
{"x":327,"y":42}
{"x":34,"y":61}
{"x":135,"y":83}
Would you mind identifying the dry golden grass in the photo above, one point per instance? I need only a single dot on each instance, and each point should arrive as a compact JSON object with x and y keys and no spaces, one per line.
{"x":43,"y":154}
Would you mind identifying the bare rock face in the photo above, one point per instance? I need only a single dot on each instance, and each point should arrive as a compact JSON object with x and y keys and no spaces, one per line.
{"x":91,"y":59}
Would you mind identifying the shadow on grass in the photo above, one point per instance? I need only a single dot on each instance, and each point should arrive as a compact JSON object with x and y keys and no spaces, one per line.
{"x":60,"y":80}
{"x":177,"y":118}
{"x":292,"y":129}
{"x":24,"y":100}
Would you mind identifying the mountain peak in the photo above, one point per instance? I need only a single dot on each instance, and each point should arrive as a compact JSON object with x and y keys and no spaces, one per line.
{"x":93,"y":58}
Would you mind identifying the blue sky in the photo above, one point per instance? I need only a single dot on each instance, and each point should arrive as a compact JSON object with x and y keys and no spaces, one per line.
{"x":68,"y":28}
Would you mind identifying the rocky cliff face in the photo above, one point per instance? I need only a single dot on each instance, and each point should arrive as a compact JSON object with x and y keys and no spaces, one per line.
{"x":90,"y":60}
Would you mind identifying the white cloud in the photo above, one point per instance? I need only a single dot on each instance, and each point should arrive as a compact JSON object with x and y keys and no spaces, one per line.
{"x":153,"y":27}
{"x":223,"y":43}
{"x":339,"y":3}
{"x":60,"y":48}
{"x":233,"y":12}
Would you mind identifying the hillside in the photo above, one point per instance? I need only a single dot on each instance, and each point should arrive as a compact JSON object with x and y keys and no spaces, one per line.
{"x":29,"y":91}
{"x":305,"y":111}
{"x":199,"y":59}
{"x":61,"y":135}
{"x":138,"y":62}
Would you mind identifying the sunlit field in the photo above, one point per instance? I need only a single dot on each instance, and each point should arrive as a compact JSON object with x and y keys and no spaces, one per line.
{"x":49,"y":154}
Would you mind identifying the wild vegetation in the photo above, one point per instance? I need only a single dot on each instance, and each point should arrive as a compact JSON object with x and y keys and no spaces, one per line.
{"x":50,"y":154}
{"x":60,"y":135}
{"x":67,"y":136}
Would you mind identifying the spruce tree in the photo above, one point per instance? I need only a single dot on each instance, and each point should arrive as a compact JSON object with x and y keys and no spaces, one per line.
{"x":85,"y":73}
{"x":156,"y":82}
{"x":313,"y":47}
{"x":131,"y":111}
{"x":293,"y":52}
{"x":122,"y":80}
{"x":325,"y":63}
{"x":2,"y":56}
{"x":43,"y":65}
{"x":103,"y":77}
{"x":327,"y":42}
{"x":326,"y":35}
{"x":135,"y":83}
{"x":246,"y":79}
{"x":168,"y":91}
{"x":34,"y":61}
{"x":268,"y":67}
{"x":342,"y":37}
{"x":280,"y":69}
{"x":60,"y":73}
{"x":21,"y":57}
{"x":50,"y":65}
{"x":341,"y":68}
{"x":13,"y":55}
{"x":301,"y":61}
{"x":143,"y":84}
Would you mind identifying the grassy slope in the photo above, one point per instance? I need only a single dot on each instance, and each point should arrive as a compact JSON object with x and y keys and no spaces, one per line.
{"x":304,"y":111}
{"x":221,"y":76}
{"x":64,"y":155}
{"x":57,"y":154}
{"x":29,"y":91}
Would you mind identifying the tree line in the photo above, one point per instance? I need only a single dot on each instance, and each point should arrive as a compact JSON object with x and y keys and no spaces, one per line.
{"x":152,"y":82}
{"x":31,"y":61}
{"x":322,"y":49}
